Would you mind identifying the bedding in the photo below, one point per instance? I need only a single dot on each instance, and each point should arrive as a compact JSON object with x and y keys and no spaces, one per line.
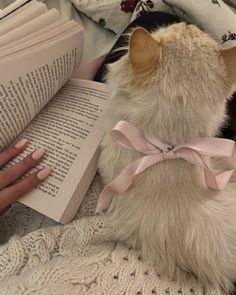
{"x":214,"y":16}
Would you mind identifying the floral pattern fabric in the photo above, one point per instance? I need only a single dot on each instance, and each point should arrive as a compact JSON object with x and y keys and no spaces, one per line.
{"x":213,"y":16}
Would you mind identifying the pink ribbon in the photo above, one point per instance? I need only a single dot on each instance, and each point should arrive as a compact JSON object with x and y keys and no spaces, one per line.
{"x":128,"y":136}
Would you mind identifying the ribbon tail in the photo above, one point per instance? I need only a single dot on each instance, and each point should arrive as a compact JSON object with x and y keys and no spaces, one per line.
{"x":212,"y":181}
{"x":217,"y":182}
{"x":120,"y":184}
{"x":104,"y":199}
{"x":124,"y":180}
{"x":224,"y":178}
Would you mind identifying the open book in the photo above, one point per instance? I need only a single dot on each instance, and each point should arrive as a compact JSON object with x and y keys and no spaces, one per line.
{"x":39,"y":53}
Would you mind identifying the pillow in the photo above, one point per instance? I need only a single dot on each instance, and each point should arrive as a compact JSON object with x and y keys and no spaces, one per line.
{"x":117,"y":14}
{"x":213,"y":16}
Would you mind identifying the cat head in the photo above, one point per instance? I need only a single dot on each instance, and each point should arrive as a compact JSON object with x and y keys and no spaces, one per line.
{"x":175,"y":78}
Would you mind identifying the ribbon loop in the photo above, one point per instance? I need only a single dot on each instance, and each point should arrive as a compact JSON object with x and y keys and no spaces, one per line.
{"x":211,"y":147}
{"x":127,"y":135}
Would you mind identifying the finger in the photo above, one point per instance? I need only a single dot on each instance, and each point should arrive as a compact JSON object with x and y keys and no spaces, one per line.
{"x":14,"y":172}
{"x":12,"y":151}
{"x":11,"y":194}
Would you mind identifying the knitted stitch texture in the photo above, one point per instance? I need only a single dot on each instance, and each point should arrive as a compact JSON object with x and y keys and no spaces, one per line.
{"x":79,"y":258}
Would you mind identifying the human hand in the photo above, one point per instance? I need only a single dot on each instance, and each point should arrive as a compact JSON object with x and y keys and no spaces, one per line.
{"x":11,"y":188}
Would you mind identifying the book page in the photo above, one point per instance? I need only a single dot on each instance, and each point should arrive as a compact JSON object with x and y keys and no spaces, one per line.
{"x":30,"y":80}
{"x":13,"y":8}
{"x":27,"y":14}
{"x":69,"y":128}
{"x":43,"y":21}
{"x":38,"y":38}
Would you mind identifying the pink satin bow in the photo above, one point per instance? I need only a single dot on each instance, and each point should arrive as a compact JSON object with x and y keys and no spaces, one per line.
{"x":130,"y":137}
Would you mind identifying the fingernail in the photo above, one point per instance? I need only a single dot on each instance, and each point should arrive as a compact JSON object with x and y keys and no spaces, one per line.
{"x":44,"y":173}
{"x":20,"y":143}
{"x":38,"y":154}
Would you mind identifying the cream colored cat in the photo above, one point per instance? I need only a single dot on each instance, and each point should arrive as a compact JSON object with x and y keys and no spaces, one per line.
{"x":173,"y":85}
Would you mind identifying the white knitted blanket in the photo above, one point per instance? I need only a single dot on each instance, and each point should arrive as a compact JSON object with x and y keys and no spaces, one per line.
{"x":76,"y":259}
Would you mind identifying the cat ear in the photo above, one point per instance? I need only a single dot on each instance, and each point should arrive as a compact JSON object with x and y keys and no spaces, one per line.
{"x":144,"y":50}
{"x":229,"y":56}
